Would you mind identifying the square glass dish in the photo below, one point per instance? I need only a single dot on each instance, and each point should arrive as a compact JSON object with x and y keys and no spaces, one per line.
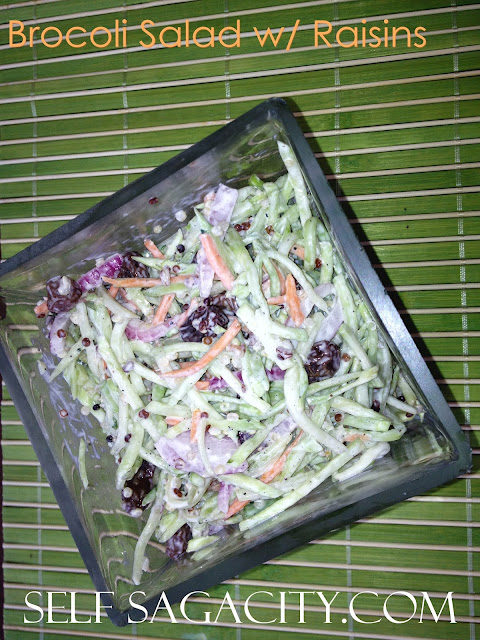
{"x":428,"y":454}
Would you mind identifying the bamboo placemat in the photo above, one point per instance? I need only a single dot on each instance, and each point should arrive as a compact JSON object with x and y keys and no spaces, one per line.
{"x":397,"y":132}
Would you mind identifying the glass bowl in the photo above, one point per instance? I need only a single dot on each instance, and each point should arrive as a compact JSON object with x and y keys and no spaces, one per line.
{"x":429,"y":454}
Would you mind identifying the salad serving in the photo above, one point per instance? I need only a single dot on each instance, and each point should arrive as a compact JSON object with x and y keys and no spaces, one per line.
{"x":233,"y":368}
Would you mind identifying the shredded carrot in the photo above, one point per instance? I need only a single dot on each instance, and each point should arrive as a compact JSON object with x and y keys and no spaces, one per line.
{"x":216,"y":262}
{"x":113,"y":291}
{"x":154,"y":250}
{"x":298,"y":251}
{"x":195,"y":420}
{"x":278,"y":465}
{"x":355,"y":436}
{"x":277,"y":300}
{"x":281,"y":277}
{"x":267,"y":477}
{"x":134,"y":282}
{"x":202,"y":385}
{"x":163,"y":307}
{"x":235,"y":507}
{"x":172,"y":420}
{"x":212,"y":353}
{"x":142,"y":282}
{"x":293,"y":301}
{"x":41,"y":309}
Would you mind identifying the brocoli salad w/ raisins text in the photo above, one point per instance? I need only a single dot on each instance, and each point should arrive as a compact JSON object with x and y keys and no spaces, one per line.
{"x":232,"y":369}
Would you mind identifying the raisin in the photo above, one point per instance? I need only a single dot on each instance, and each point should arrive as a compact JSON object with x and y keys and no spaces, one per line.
{"x":140,"y":484}
{"x":202,"y":322}
{"x":323,"y":361}
{"x":153,"y":200}
{"x":143,"y":414}
{"x":221,"y":301}
{"x":176,"y":546}
{"x":189,"y":334}
{"x":63,"y":293}
{"x":180,"y":248}
{"x":86,"y":342}
{"x":131,"y":268}
{"x":242,"y":436}
{"x":96,"y":406}
{"x":109,"y":438}
{"x":401,"y":398}
{"x":376,"y":406}
{"x":61,"y":333}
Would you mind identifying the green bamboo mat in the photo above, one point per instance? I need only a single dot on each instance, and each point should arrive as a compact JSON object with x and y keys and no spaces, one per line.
{"x":397,"y":132}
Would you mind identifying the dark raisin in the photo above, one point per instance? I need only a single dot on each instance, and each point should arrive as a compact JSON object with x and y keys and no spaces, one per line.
{"x":61,"y":333}
{"x":96,"y":406}
{"x":86,"y":342}
{"x":238,"y":227}
{"x":143,"y":414}
{"x":242,"y":436}
{"x":204,"y":414}
{"x":376,"y":406}
{"x":323,"y":361}
{"x":127,"y":437}
{"x":409,"y":415}
{"x":153,"y":200}
{"x":180,"y":248}
{"x":221,"y":301}
{"x":63,"y":293}
{"x":338,"y":417}
{"x":63,"y":413}
{"x":178,"y":493}
{"x":401,"y":398}
{"x":202,"y":323}
{"x":131,"y":268}
{"x":318,"y":263}
{"x":269,"y":229}
{"x":140,"y":484}
{"x":346,"y":357}
{"x":109,"y":438}
{"x":189,"y":334}
{"x":176,"y":546}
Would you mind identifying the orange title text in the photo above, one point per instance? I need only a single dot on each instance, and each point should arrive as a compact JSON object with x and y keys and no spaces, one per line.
{"x":322,"y":33}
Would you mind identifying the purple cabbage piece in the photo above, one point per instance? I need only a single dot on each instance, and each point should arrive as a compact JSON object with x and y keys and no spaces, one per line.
{"x":181,"y":453}
{"x":217,"y":384}
{"x":222,"y":208}
{"x":275,"y":373}
{"x":332,"y":323}
{"x":139,"y":330}
{"x":205,"y":274}
{"x":58,"y":344}
{"x":224,"y":494}
{"x":93,"y":278}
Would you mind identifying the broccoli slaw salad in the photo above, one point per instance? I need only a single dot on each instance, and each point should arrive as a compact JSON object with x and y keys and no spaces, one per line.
{"x":232,"y":368}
